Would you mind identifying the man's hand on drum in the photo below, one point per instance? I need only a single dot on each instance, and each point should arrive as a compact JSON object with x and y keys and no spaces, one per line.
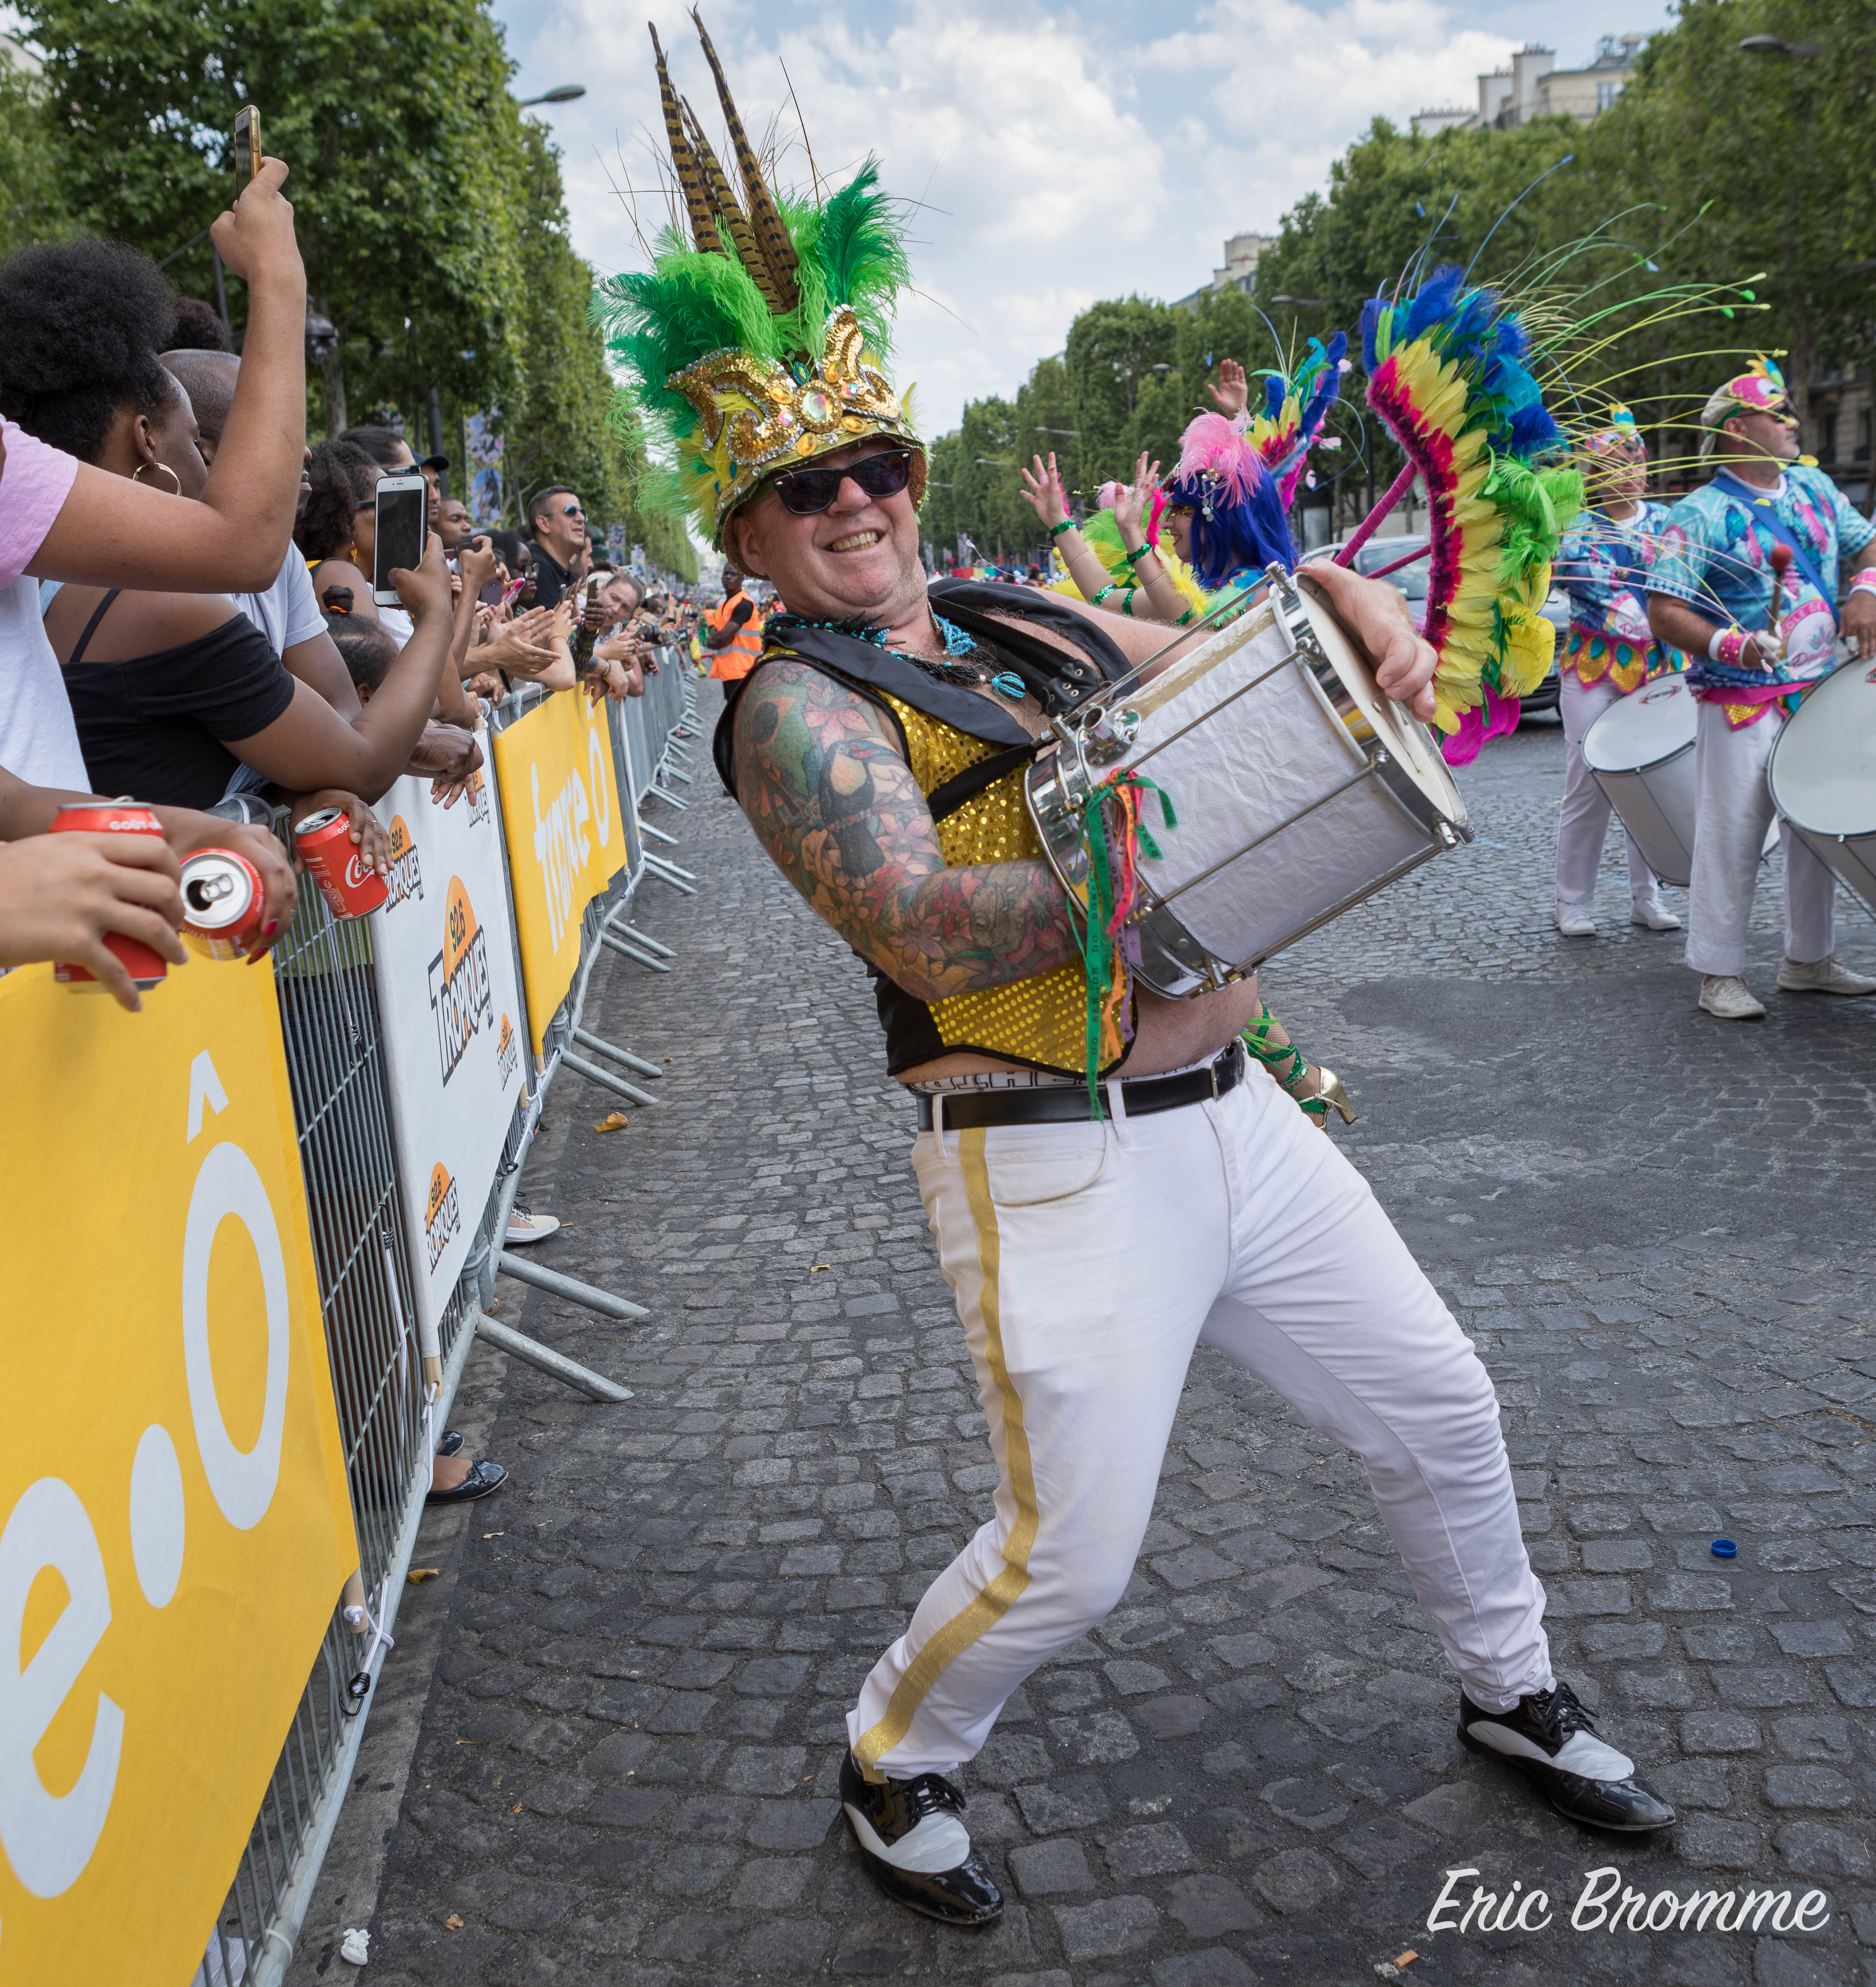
{"x":1860,"y":620}
{"x":1376,"y":616}
{"x":1044,"y":490}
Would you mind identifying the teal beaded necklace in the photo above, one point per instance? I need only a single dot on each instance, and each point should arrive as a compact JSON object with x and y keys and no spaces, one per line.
{"x":1005,"y":683}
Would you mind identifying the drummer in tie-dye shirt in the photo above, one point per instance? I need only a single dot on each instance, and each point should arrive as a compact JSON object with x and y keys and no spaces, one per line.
{"x":1602,"y":565}
{"x":1757,"y":642}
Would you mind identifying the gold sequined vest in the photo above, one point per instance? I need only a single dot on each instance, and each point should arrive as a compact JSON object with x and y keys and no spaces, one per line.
{"x":1041,"y":1021}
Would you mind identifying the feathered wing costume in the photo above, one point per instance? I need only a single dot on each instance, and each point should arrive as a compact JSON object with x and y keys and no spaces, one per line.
{"x":756,"y":339}
{"x":1447,"y":374}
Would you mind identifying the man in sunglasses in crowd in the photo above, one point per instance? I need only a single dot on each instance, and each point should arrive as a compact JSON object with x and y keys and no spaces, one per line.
{"x":877,"y":747}
{"x":557,"y":524}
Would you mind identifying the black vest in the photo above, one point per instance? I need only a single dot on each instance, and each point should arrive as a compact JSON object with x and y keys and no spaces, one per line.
{"x":1058,"y":681}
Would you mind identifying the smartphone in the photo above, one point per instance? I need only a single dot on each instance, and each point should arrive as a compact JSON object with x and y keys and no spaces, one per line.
{"x":402,"y":510}
{"x":247,"y":146}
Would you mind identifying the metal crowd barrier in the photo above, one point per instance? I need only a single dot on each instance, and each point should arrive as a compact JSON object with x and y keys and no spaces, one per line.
{"x":335,"y":1056}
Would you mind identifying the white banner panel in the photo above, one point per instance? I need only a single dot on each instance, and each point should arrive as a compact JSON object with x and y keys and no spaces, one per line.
{"x":444,"y":949}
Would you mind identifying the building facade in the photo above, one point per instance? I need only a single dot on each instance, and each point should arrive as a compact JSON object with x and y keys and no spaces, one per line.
{"x":1239,"y":272}
{"x":1534,"y":86}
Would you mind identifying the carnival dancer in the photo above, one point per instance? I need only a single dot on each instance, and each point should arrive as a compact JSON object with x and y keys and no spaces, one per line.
{"x":1611,"y":650}
{"x":1746,"y":583}
{"x":877,"y":750}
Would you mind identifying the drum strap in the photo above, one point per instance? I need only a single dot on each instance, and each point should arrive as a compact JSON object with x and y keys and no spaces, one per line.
{"x":962,"y":788}
{"x":1775,"y":528}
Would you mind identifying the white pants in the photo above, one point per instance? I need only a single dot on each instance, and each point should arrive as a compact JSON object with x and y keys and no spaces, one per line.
{"x":1585,"y":817}
{"x":1087,"y":1262}
{"x":1733,"y":810}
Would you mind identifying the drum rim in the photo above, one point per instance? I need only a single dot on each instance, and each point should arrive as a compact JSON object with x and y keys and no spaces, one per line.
{"x":1450,"y":804}
{"x":1811,"y":697}
{"x":1677,"y":685}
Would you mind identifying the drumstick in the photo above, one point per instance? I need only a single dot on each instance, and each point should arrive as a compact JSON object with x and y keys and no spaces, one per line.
{"x":1781,"y":565}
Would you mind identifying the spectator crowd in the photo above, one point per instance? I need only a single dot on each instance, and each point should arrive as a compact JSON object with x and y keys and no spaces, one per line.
{"x":188,"y":617}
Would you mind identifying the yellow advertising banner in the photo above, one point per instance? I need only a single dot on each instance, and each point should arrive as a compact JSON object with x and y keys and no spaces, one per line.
{"x":566,"y":841}
{"x":174,"y":1525}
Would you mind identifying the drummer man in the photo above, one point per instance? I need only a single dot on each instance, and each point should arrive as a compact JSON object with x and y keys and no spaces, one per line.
{"x":1756,"y":646}
{"x":1602,"y":565}
{"x":1090,"y":1258}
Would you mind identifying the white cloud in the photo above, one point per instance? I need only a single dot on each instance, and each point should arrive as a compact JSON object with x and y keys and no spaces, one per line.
{"x":1059,"y":159}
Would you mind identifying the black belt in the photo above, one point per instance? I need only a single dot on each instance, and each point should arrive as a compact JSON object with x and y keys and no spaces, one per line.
{"x":971,"y":1110}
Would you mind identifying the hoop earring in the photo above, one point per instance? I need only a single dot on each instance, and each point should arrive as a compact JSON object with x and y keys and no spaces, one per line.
{"x":136,"y":474}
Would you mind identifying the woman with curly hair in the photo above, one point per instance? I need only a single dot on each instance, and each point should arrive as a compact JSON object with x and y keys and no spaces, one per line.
{"x":175,"y":693}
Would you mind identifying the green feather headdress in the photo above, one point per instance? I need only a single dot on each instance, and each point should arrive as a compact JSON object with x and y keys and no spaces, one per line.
{"x":755,"y":340}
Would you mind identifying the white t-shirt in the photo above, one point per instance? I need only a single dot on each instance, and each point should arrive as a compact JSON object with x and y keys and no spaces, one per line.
{"x":287,"y":613}
{"x":39,"y":740}
{"x":397,"y":624}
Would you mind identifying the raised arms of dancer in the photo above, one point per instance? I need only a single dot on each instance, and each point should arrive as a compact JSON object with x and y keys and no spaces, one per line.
{"x":1049,"y":500}
{"x":836,"y":806}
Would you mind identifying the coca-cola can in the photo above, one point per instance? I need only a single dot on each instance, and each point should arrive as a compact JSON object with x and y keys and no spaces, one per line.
{"x":223,"y":900}
{"x":350,"y":885}
{"x":119,"y":817}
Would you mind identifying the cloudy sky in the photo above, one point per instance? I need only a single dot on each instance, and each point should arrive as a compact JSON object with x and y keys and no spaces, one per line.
{"x":1062,"y":153}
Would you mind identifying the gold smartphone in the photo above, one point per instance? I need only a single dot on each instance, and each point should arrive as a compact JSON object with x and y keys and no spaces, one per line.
{"x":247,"y":146}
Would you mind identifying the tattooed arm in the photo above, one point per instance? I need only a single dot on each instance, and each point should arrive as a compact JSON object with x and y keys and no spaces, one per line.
{"x":837,"y":807}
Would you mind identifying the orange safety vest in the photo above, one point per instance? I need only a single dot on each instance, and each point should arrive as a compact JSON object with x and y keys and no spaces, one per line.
{"x":738,"y":657}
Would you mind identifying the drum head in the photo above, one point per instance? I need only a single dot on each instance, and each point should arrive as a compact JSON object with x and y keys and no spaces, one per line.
{"x":1405,"y":738}
{"x":1823,"y":774}
{"x":1644,"y":728}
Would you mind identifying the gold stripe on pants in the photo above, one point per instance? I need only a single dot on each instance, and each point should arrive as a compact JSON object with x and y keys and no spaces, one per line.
{"x":989,"y":1605}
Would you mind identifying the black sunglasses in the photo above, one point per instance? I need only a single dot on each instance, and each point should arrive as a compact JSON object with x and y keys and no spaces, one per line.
{"x":807,"y":491}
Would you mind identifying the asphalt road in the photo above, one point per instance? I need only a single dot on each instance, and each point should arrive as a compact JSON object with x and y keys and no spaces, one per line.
{"x":1654,"y":1224}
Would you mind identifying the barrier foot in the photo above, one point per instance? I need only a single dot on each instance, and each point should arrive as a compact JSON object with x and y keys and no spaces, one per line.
{"x":517,"y":1345}
{"x":673,"y":772}
{"x":670,"y":800}
{"x":650,"y":944}
{"x":619,"y":1055}
{"x":605,"y":1078}
{"x":656,"y":834}
{"x":669,"y":872}
{"x":632,"y":951}
{"x":571,"y":1287}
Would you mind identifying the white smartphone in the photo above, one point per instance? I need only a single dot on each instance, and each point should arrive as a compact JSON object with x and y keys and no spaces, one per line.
{"x":403,"y":517}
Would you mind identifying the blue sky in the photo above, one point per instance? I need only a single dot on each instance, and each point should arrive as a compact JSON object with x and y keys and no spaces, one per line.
{"x":1064,"y":154}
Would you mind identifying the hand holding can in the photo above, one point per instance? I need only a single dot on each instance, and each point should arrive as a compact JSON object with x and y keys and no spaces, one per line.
{"x":143,"y":963}
{"x":348,"y":882}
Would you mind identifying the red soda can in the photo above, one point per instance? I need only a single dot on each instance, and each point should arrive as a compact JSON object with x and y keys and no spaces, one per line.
{"x":223,"y":898}
{"x":350,"y":885}
{"x":119,"y":817}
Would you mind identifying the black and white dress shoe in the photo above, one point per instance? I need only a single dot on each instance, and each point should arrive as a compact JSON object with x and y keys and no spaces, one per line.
{"x":915,"y":1848}
{"x":1549,"y":1738}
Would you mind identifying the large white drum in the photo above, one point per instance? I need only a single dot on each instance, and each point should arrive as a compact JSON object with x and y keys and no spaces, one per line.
{"x":1823,"y":775}
{"x":1641,"y":751}
{"x":1300,"y":788}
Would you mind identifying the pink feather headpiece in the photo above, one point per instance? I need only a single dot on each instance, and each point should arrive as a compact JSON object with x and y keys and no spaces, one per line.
{"x":1217,"y":449}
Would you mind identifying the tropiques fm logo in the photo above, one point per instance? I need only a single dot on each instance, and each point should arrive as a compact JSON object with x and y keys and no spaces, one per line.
{"x":406,"y":877}
{"x":443,"y":1218}
{"x":460,"y":997}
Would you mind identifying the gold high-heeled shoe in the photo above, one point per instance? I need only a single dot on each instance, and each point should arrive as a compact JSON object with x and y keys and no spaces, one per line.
{"x":1329,"y":1088}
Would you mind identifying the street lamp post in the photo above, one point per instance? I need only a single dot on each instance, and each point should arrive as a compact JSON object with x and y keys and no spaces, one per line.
{"x":562,"y":93}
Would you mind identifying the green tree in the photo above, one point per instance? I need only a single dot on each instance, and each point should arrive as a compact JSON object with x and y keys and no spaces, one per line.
{"x":559,"y":420}
{"x":33,"y":203}
{"x":405,"y":148}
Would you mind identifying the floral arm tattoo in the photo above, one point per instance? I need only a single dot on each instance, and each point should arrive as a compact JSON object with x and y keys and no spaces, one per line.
{"x":838,"y":809}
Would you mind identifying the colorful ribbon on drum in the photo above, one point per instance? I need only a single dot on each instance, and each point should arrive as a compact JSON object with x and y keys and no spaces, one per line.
{"x":1113,"y":809}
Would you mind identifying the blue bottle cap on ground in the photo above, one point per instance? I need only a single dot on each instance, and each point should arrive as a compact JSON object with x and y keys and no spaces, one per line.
{"x":1724,"y":1548}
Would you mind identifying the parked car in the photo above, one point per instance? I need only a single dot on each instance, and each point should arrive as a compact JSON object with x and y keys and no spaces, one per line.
{"x":1411,"y":581}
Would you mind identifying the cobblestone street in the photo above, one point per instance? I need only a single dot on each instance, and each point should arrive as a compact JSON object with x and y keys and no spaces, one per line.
{"x":1655,"y":1226}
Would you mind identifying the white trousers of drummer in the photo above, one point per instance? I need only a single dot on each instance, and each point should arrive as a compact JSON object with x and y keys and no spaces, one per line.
{"x":1732,"y":811}
{"x":1088,"y":1262}
{"x":1584,"y":822}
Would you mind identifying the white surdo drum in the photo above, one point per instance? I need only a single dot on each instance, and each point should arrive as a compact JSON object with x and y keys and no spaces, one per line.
{"x":1823,"y":775}
{"x":1300,"y":788}
{"x":1642,"y":752}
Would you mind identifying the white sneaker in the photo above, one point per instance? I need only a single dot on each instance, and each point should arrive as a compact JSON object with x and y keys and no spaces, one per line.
{"x":1822,"y":976}
{"x":1654,"y":917}
{"x":526,"y":1227}
{"x":1728,"y":998}
{"x":1574,"y":921}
